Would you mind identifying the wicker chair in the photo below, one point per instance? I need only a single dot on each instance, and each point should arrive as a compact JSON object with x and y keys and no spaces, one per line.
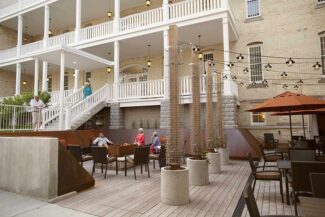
{"x":141,"y":157}
{"x":317,"y":181}
{"x":100,"y":156}
{"x":76,"y":151}
{"x":265,"y":175}
{"x":251,"y":203}
{"x":161,"y":157}
{"x":270,"y":157}
{"x":301,"y":178}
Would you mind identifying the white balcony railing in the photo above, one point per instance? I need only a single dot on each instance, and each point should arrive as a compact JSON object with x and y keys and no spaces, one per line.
{"x":144,"y":89}
{"x":55,"y":95}
{"x":151,"y":18}
{"x":14,"y":118}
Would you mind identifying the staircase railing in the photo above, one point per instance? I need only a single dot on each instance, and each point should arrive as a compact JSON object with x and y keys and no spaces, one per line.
{"x":76,"y":111}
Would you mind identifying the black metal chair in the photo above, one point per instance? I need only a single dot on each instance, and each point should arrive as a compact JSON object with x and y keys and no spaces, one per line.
{"x":301,"y":178}
{"x":251,"y":203}
{"x":270,"y":157}
{"x":265,"y":175}
{"x":161,"y":157}
{"x":317,"y":181}
{"x":141,"y":157}
{"x":100,"y":156}
{"x":77,"y":152}
{"x":270,"y":141}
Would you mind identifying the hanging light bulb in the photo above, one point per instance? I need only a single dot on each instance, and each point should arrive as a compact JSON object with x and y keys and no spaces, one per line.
{"x":109,"y":13}
{"x":245,"y":70}
{"x":285,"y":86}
{"x":264,"y":81}
{"x":241,"y":84}
{"x":317,"y":66}
{"x":24,"y":82}
{"x":50,"y":33}
{"x":224,"y":77}
{"x":268,"y":67}
{"x":240,"y":57}
{"x":234,"y":77}
{"x":212,"y":63}
{"x":253,"y":83}
{"x":200,"y":55}
{"x":26,"y":38}
{"x":290,"y":62}
{"x":109,"y":69}
{"x":284,"y":74}
{"x":148,"y":2}
{"x":149,"y":63}
{"x":230,"y":64}
{"x":300,"y":82}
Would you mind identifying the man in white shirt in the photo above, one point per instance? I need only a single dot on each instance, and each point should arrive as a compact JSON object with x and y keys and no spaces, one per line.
{"x":37,"y":106}
{"x":101,"y":140}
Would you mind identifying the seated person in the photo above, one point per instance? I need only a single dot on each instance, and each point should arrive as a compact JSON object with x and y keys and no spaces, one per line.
{"x":139,"y":139}
{"x":101,"y":140}
{"x":155,"y":143}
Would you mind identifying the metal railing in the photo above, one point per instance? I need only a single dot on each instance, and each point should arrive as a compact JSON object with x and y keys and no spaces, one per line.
{"x":14,"y":118}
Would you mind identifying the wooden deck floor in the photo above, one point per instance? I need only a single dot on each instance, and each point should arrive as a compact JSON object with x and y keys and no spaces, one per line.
{"x":124,"y":196}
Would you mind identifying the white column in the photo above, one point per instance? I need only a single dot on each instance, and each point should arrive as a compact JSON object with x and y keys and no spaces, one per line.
{"x":61,"y":96}
{"x":46,"y":25}
{"x":166,"y":64}
{"x":76,"y":80}
{"x":116,"y":70}
{"x":18,"y":78}
{"x":117,"y":8}
{"x":226,"y":56}
{"x":78,"y":20}
{"x":165,"y":10}
{"x":44,"y":76}
{"x":19,"y":35}
{"x":36,"y":77}
{"x":224,"y":3}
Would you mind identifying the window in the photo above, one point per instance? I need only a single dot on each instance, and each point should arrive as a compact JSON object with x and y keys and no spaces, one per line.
{"x":320,"y":1}
{"x":255,"y":62}
{"x":49,"y":83}
{"x":322,"y":47}
{"x":258,"y":118}
{"x":66,"y":81}
{"x":253,"y":8}
{"x":206,"y":57}
{"x":88,"y":76}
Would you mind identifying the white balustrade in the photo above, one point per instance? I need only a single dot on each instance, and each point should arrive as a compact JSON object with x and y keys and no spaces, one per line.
{"x":31,"y":47}
{"x":65,"y":39}
{"x":185,"y":85}
{"x":192,"y":7}
{"x":144,"y":89}
{"x":143,"y":19}
{"x":9,"y":53}
{"x":89,"y":103}
{"x":14,"y":118}
{"x":55,"y":95}
{"x":50,"y":115}
{"x":96,"y":31}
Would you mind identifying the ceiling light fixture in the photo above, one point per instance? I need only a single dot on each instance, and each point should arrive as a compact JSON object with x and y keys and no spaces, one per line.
{"x":148,"y":3}
{"x":149,"y":62}
{"x":240,"y":57}
{"x":109,"y":13}
{"x":200,"y":56}
{"x":317,"y":66}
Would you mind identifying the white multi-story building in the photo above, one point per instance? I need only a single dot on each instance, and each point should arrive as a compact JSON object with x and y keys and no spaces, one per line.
{"x":57,"y":45}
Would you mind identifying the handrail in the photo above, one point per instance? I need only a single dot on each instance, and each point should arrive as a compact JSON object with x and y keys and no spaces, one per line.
{"x":96,"y":31}
{"x":15,"y":117}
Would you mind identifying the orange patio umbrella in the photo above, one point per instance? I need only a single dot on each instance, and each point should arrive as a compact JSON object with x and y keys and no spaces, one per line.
{"x":289,"y":102}
{"x":302,"y":113}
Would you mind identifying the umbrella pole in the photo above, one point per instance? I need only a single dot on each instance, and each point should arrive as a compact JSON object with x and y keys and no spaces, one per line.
{"x":290,"y":124}
{"x":303,"y":125}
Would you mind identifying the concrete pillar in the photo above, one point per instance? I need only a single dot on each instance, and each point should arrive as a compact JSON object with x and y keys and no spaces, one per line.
{"x":46,"y":25}
{"x":61,"y":98}
{"x":19,"y":35}
{"x":36,"y":76}
{"x":18,"y":78}
{"x":76,"y":80}
{"x":78,"y":20}
{"x":226,"y":56}
{"x":44,"y":76}
{"x":166,"y":65}
{"x":116,"y":116}
{"x":117,"y":9}
{"x":116,"y":70}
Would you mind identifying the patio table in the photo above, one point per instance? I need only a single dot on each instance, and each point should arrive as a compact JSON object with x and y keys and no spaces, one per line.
{"x":312,"y":206}
{"x":285,"y":165}
{"x":121,"y":151}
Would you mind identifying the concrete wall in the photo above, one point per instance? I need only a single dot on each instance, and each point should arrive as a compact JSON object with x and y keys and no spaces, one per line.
{"x":29,"y":166}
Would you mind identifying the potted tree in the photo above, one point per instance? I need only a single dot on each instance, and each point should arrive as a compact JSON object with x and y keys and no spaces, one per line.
{"x":197,"y":164}
{"x":174,"y":177}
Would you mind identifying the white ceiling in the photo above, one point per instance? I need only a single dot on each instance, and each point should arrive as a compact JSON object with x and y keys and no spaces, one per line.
{"x":63,"y":14}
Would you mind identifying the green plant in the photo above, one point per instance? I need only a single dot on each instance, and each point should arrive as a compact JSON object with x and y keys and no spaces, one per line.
{"x":24,"y":99}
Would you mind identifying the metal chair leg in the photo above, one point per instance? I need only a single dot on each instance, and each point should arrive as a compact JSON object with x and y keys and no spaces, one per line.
{"x":135,"y":175}
{"x":116,"y":167}
{"x":105,"y":171}
{"x":141,"y":168}
{"x":254,"y":184}
{"x":148,"y":170}
{"x":92,"y":173}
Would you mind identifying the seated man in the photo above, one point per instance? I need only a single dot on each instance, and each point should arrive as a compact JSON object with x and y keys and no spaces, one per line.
{"x":101,"y":140}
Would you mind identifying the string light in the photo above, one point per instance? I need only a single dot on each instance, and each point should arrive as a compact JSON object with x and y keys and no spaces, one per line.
{"x":241,"y":84}
{"x":317,"y":66}
{"x":300,"y":82}
{"x":240,"y":57}
{"x":245,"y":70}
{"x":285,"y":86}
{"x":268,"y":67}
{"x":290,"y":62}
{"x":225,"y":77}
{"x":211,"y":64}
{"x":253,"y":83}
{"x":296,"y":86}
{"x":148,"y":2}
{"x":266,"y":86}
{"x":234,"y":77}
{"x":264,"y":81}
{"x":230,"y":64}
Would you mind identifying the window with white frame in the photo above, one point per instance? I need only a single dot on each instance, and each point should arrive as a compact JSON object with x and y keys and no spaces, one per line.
{"x":253,"y":8}
{"x":255,"y":63}
{"x":66,"y":81}
{"x":320,"y":1}
{"x":322,"y":47}
{"x":206,"y":56}
{"x":88,"y":76}
{"x":49,"y":83}
{"x":258,"y":118}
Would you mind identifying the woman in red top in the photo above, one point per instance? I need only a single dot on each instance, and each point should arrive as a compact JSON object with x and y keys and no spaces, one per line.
{"x":139,"y":139}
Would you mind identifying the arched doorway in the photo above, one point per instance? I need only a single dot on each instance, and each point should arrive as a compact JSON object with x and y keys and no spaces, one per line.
{"x":133,"y":73}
